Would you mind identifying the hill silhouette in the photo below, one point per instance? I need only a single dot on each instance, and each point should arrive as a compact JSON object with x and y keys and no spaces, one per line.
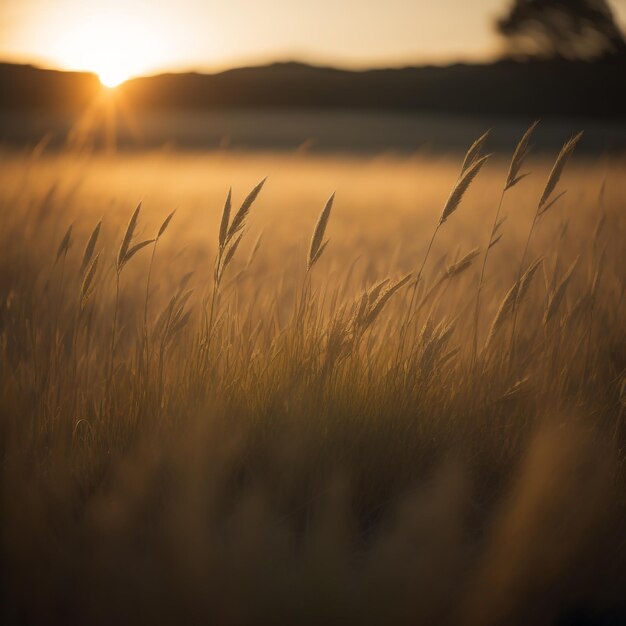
{"x":539,"y":88}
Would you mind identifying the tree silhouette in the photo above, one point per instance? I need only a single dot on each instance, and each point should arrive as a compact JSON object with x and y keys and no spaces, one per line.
{"x":562,"y":28}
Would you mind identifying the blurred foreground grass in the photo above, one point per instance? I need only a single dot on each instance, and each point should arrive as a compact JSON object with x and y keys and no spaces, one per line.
{"x":173,"y":453}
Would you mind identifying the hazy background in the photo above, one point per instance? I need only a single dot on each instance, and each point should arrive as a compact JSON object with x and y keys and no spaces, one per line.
{"x":211,"y":35}
{"x":499,"y":63}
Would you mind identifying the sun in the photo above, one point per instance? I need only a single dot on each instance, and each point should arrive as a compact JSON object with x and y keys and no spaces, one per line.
{"x":114,"y":45}
{"x":112,"y":77}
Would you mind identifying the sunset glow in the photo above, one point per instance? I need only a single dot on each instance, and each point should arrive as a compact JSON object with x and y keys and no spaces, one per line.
{"x":116,"y":46}
{"x":123,"y":38}
{"x":113,"y":77}
{"x":120,"y":39}
{"x":114,"y":43}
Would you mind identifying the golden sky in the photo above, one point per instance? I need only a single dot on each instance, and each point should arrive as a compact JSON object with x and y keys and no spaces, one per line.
{"x":121,"y":38}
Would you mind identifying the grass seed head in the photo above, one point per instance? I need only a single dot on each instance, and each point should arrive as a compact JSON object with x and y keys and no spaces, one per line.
{"x":241,"y":215}
{"x":128,"y":237}
{"x":317,"y":247}
{"x":65,"y":244}
{"x":90,"y":247}
{"x":519,"y":156}
{"x":473,"y":154}
{"x":557,"y":169}
{"x":461,"y":187}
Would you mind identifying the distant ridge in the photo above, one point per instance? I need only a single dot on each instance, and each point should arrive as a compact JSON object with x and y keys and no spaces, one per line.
{"x":507,"y":87}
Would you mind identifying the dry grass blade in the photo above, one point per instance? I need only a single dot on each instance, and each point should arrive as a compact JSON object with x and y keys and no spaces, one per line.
{"x":494,"y":241}
{"x":90,"y":247}
{"x":179,"y":325}
{"x":133,"y":251}
{"x":557,"y":169}
{"x":495,"y":234}
{"x":128,"y":237}
{"x":473,"y":154}
{"x":559,"y":293}
{"x":461,"y":187}
{"x":318,"y":254}
{"x":520,"y":389}
{"x":361,"y":310}
{"x":172,"y":315}
{"x":165,"y":224}
{"x":445,"y":330}
{"x":551,"y":204}
{"x":462,"y":264}
{"x":599,"y":230}
{"x":65,"y":244}
{"x":165,"y":316}
{"x":499,"y":224}
{"x":385,"y":297}
{"x":184,"y":281}
{"x":337,"y":344}
{"x":504,"y":310}
{"x":255,"y":249}
{"x":519,"y":156}
{"x":317,"y":247}
{"x":432,"y":291}
{"x":231,"y":253}
{"x":513,"y":297}
{"x":582,"y":305}
{"x":244,"y":209}
{"x":622,"y":392}
{"x":183,"y":297}
{"x":434,"y":345}
{"x":598,"y":274}
{"x":526,"y":279}
{"x":374,"y":292}
{"x":448,"y":356}
{"x":86,"y":288}
{"x":225,"y":219}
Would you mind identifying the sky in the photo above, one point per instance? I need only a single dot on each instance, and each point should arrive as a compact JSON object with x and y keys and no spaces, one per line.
{"x":121,"y":38}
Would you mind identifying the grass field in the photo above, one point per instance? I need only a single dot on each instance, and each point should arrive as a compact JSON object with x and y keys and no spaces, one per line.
{"x":205,"y":432}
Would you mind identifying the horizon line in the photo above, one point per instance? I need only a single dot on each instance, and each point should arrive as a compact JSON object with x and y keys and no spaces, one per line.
{"x":486,"y":59}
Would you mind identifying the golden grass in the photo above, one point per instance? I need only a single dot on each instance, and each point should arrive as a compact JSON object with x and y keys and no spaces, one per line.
{"x":234,"y":430}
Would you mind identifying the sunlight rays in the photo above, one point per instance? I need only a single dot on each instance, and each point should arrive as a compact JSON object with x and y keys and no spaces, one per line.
{"x":99,"y":123}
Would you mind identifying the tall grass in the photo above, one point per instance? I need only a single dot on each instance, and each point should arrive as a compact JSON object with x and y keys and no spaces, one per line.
{"x":308,"y":436}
